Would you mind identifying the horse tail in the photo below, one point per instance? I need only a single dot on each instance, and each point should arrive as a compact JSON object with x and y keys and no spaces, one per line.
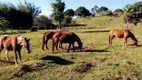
{"x":43,"y":40}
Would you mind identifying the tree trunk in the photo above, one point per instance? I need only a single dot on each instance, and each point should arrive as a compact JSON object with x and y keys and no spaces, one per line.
{"x":59,"y":25}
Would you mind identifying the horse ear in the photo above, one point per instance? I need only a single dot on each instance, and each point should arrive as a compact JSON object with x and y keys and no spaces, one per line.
{"x":29,"y":39}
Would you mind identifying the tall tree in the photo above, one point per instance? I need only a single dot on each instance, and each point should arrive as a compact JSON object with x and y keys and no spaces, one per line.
{"x":82,"y":12}
{"x":58,"y":9}
{"x":128,"y":11}
{"x":30,"y":10}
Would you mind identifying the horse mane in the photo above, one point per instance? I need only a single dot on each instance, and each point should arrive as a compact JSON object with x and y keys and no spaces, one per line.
{"x":133,"y":37}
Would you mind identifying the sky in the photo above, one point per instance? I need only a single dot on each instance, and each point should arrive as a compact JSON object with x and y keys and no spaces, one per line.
{"x":45,"y":5}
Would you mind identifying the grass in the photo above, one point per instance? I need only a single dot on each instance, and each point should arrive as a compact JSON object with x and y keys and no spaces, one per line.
{"x":97,"y":61}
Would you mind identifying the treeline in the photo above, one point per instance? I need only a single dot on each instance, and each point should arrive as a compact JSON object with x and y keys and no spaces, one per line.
{"x":17,"y":17}
{"x":26,"y":15}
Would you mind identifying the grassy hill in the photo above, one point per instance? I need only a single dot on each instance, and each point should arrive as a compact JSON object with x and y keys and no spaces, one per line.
{"x":97,"y":61}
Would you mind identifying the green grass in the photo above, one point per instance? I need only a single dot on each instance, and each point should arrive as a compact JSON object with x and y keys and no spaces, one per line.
{"x":102,"y":62}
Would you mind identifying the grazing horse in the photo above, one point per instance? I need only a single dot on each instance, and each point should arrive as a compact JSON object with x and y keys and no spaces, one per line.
{"x":14,"y":42}
{"x":66,"y":37}
{"x":122,"y":34}
{"x":46,"y":36}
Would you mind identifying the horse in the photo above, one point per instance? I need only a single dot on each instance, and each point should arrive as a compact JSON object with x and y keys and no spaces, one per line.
{"x":66,"y":37}
{"x":15,"y":43}
{"x":46,"y":36}
{"x":123,"y":33}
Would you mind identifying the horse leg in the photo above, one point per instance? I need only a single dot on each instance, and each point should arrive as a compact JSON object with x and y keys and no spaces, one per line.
{"x":56,"y":44}
{"x":1,"y":50}
{"x":110,"y":40}
{"x":60,"y":45}
{"x":19,"y":54}
{"x":73,"y":47}
{"x":69,"y":47}
{"x":7,"y":56}
{"x":15,"y":56}
{"x":125,"y":42}
{"x":46,"y":42}
{"x":53,"y":44}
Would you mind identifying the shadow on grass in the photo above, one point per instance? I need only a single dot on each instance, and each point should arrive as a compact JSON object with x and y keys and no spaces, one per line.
{"x":103,"y":50}
{"x":4,"y":61}
{"x":95,"y":31}
{"x":57,"y":60}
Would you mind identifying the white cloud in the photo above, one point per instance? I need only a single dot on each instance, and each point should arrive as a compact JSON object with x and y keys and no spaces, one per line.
{"x":46,"y":13}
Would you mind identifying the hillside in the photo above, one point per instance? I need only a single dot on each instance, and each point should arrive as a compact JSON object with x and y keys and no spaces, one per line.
{"x":96,"y":61}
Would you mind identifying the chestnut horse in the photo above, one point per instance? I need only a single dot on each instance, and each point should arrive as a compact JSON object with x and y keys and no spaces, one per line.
{"x":46,"y":36}
{"x":14,"y":42}
{"x":122,"y":34}
{"x":66,"y":37}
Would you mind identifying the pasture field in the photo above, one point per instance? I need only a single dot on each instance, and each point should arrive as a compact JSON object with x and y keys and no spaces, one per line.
{"x":97,"y":60}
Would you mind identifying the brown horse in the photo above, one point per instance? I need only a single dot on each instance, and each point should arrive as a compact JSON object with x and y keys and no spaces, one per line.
{"x":46,"y":36}
{"x":122,"y":34}
{"x":66,"y":37}
{"x":15,"y":43}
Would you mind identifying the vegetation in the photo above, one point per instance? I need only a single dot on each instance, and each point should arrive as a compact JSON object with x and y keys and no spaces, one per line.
{"x":96,"y":61}
{"x":82,"y":12}
{"x":20,"y":17}
{"x":58,"y":9}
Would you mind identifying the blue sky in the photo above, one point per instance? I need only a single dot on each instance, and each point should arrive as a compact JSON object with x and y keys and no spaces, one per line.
{"x":74,"y":4}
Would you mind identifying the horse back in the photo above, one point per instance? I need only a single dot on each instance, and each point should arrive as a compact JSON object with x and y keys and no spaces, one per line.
{"x":9,"y":41}
{"x":117,"y":33}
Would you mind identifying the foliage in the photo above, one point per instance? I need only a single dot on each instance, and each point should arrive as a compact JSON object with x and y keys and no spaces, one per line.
{"x":133,"y":13}
{"x":20,"y":17}
{"x":43,"y":21}
{"x":103,"y":8}
{"x":118,"y":10}
{"x":3,"y":24}
{"x":58,"y":9}
{"x":67,"y":20}
{"x":69,"y":12}
{"x":82,"y":12}
{"x":108,"y":13}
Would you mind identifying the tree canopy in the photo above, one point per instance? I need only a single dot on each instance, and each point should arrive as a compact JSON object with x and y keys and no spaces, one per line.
{"x":58,"y":11}
{"x":82,"y":12}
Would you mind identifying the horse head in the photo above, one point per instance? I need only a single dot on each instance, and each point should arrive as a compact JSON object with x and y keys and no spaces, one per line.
{"x":80,"y":46}
{"x":135,"y":42}
{"x":23,"y":41}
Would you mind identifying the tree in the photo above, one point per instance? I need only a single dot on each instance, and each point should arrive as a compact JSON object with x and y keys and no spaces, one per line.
{"x":102,"y":9}
{"x":128,"y":11}
{"x":118,"y":10}
{"x":20,"y":17}
{"x":43,"y":21}
{"x":108,"y":13}
{"x":94,"y":10}
{"x":69,"y":12}
{"x":30,"y":11}
{"x":58,"y":9}
{"x":82,"y":12}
